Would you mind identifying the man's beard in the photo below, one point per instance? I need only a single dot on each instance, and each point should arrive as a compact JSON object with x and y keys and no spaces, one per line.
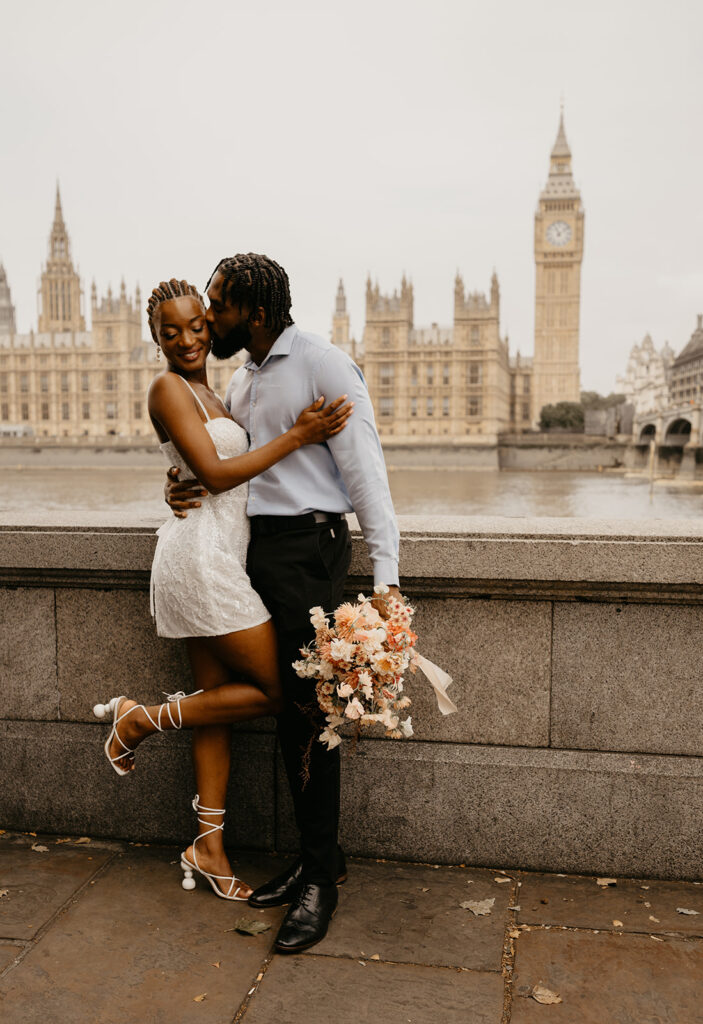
{"x":234,"y":341}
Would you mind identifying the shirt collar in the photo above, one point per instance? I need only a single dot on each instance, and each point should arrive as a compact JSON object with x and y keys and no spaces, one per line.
{"x":281,"y":347}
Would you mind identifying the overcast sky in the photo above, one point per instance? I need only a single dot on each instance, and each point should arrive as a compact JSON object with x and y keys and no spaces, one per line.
{"x":370,"y":136}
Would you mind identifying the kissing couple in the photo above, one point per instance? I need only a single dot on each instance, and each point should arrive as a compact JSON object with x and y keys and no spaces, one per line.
{"x":259,"y":485}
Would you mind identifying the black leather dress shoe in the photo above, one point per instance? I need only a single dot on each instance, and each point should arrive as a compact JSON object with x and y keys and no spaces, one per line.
{"x":282,"y":889}
{"x":308,"y":918}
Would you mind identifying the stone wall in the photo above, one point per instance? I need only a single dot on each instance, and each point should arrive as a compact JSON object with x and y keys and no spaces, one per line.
{"x":575,"y":647}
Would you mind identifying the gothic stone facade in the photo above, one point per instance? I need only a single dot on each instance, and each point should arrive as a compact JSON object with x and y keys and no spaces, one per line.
{"x":66,"y":382}
{"x":449,"y":383}
{"x":436,"y":383}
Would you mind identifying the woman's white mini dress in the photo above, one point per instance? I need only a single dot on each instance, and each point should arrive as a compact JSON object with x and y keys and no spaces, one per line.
{"x":199,"y":584}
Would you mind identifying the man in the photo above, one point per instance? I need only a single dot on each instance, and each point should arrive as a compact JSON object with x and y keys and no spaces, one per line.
{"x":300,"y":548}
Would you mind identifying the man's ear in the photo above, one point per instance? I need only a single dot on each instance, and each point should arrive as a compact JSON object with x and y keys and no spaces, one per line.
{"x":257,"y":317}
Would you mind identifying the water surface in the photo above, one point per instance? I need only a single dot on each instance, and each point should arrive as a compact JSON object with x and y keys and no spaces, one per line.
{"x":139,"y":491}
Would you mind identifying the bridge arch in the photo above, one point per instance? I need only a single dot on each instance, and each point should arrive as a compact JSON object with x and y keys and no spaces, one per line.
{"x":648,"y":433}
{"x":678,"y":432}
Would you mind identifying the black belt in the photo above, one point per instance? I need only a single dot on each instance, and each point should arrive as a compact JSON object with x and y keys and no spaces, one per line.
{"x":261,"y":525}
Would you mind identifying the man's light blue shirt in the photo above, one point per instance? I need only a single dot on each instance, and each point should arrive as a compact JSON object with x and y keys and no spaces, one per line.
{"x":347,"y":473}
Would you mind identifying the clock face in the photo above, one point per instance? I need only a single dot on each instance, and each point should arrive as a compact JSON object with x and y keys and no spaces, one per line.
{"x":559,"y":233}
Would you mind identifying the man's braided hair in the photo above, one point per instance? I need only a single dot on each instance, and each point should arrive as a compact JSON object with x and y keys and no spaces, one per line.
{"x":167,"y":290}
{"x":257,"y":281}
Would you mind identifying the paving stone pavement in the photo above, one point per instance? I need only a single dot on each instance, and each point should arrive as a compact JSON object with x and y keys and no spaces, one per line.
{"x":96,"y":932}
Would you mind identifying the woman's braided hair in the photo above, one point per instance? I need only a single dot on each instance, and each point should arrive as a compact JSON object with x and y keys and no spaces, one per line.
{"x":167,"y":290}
{"x":251,"y":279}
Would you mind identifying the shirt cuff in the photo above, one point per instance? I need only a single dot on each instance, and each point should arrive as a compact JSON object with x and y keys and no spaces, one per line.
{"x":386,"y":571}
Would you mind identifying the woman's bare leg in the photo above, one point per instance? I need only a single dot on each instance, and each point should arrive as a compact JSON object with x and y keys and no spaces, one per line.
{"x":220,"y":665}
{"x":215,"y":662}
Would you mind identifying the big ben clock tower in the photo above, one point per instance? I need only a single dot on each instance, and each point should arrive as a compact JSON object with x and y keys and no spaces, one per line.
{"x":558,"y":255}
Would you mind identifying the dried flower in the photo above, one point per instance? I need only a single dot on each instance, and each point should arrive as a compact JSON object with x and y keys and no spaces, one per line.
{"x":358,"y":659}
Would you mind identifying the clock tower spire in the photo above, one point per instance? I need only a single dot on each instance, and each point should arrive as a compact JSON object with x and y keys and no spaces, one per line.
{"x":558,"y":246}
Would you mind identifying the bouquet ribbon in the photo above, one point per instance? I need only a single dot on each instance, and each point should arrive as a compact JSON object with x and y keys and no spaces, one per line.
{"x":439,"y":681}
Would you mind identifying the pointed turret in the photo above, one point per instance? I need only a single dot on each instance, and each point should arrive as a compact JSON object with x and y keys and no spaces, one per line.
{"x":561,"y":146}
{"x":560,"y":183}
{"x":60,"y":294}
{"x":340,"y":321}
{"x":59,"y":245}
{"x":7,"y":310}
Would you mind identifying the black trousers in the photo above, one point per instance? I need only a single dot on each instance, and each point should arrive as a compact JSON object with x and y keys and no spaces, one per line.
{"x":294,"y":571}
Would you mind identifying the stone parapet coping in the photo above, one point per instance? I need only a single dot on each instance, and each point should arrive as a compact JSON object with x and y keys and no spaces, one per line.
{"x":641,"y":560}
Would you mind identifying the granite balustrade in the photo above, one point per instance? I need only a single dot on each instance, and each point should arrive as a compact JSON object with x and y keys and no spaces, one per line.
{"x":575,"y":647}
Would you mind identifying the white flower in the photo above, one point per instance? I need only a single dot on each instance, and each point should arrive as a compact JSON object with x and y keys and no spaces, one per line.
{"x":341,"y":650}
{"x":389,"y":719}
{"x":306,"y":668}
{"x":406,"y":727}
{"x":345,"y":690}
{"x":330,"y":738}
{"x":317,"y":617}
{"x":354,"y":709}
{"x":325,"y":670}
{"x":366,"y":683}
{"x":380,"y":588}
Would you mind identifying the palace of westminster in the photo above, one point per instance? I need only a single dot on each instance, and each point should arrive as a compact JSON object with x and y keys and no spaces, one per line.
{"x":441,"y":385}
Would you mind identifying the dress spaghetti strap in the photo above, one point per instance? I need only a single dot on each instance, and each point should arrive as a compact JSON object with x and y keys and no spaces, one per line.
{"x":192,"y":391}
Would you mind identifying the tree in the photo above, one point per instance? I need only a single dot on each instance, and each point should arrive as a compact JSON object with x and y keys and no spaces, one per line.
{"x":592,"y":400}
{"x":562,"y":416}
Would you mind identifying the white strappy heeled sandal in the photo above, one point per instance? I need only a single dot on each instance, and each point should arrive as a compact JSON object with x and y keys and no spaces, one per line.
{"x":235,"y":884}
{"x":113,"y":708}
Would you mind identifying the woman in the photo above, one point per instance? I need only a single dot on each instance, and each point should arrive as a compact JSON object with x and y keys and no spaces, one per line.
{"x":200,"y":590}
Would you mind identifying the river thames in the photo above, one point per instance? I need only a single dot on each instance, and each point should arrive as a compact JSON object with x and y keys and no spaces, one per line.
{"x":139,"y":491}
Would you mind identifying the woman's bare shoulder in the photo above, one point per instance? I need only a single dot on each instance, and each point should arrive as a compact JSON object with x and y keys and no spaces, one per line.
{"x":164,"y":386}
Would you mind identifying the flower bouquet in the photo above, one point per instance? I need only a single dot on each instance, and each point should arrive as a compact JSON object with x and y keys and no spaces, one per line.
{"x":358,"y":658}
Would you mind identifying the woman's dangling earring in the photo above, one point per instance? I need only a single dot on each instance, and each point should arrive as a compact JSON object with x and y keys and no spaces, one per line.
{"x":158,"y":353}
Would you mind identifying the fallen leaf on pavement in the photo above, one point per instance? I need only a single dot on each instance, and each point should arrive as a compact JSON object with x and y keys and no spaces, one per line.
{"x":514,"y":933}
{"x":656,"y":938}
{"x":216,"y":964}
{"x":38,"y":848}
{"x":375,"y":957}
{"x":425,"y":890}
{"x":199,"y":999}
{"x":63,"y":841}
{"x":682,"y":910}
{"x":515,"y":906}
{"x":644,"y":887}
{"x":653,"y":918}
{"x":82,"y":841}
{"x":604,"y":882}
{"x":479,"y":908}
{"x":617,"y":924}
{"x":248,"y":927}
{"x":545,"y":995}
{"x":499,"y":880}
{"x":4,"y":892}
